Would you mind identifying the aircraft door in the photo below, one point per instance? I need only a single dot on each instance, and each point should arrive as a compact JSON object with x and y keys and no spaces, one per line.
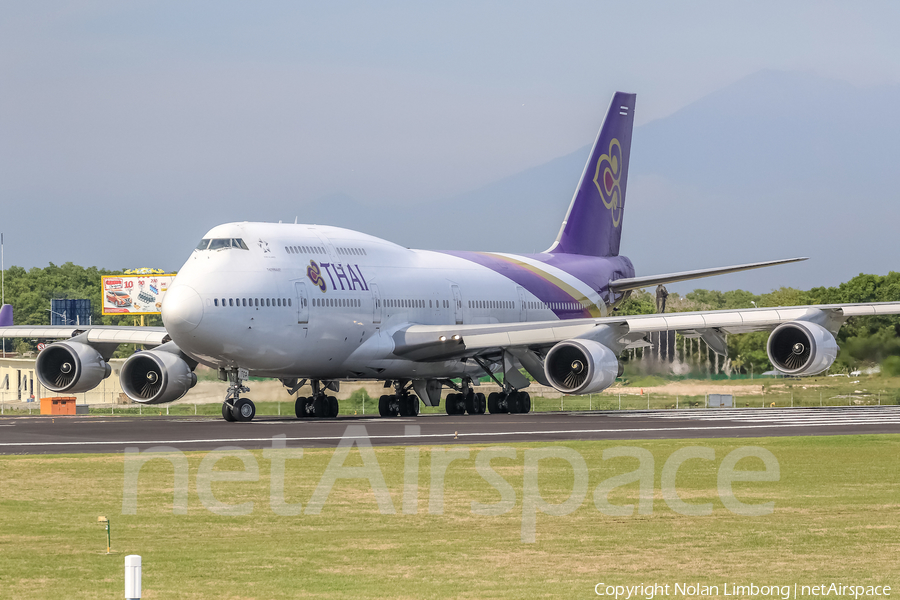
{"x":376,"y":303}
{"x":457,"y":304}
{"x":302,"y":302}
{"x":523,"y":312}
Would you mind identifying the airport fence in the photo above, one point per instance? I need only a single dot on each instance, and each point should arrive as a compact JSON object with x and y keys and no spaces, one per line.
{"x":361,"y":404}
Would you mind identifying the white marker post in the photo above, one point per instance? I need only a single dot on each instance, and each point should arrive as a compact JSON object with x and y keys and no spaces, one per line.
{"x":133,"y":577}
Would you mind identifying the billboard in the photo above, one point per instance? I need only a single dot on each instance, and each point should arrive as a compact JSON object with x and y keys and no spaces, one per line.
{"x":134,"y":294}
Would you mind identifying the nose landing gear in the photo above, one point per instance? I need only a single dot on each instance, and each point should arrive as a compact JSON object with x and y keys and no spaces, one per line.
{"x":236,"y":408}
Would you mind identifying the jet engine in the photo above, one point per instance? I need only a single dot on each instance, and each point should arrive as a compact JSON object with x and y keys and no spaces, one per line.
{"x":156,"y":377}
{"x":71,"y":367}
{"x":581,"y":366}
{"x":801,"y":348}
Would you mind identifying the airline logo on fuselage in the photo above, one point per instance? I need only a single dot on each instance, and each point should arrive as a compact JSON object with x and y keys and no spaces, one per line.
{"x":315,"y":275}
{"x":606,"y":179}
{"x":348,"y":277}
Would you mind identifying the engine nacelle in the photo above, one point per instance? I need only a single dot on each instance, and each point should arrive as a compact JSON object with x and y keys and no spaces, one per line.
{"x":154,"y":377}
{"x":71,"y":367}
{"x":801,"y":348}
{"x":581,"y":367}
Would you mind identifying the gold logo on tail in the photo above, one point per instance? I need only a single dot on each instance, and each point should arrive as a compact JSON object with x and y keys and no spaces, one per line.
{"x":606,"y":179}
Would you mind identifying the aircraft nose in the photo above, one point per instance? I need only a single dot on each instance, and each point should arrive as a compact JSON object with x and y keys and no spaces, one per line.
{"x":182,"y":309}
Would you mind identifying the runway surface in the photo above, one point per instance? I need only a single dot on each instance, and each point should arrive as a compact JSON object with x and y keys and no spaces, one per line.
{"x":87,"y":434}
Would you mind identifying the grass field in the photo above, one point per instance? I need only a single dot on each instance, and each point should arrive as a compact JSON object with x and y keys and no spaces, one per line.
{"x":836,"y":518}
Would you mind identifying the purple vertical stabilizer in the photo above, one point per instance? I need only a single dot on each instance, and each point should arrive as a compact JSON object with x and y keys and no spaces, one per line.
{"x":6,"y":319}
{"x":593,"y":225}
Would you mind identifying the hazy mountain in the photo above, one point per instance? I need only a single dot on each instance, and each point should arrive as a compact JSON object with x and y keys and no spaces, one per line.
{"x":775,"y":165}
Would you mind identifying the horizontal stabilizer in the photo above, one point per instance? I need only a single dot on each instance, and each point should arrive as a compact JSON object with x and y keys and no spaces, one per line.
{"x":6,"y":315}
{"x":636,"y":283}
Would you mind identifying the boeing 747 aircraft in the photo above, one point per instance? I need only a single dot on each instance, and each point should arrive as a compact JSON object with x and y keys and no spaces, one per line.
{"x":322,"y":305}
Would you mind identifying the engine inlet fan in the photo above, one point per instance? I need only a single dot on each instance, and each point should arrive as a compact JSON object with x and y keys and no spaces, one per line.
{"x":577,"y":374}
{"x":59,"y":366}
{"x":798,"y":356}
{"x":152,"y":384}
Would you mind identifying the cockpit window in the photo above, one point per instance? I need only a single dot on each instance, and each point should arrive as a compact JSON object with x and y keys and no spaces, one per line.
{"x":221,"y":244}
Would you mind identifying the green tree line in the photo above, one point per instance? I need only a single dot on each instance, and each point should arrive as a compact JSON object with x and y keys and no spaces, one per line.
{"x":30,"y":291}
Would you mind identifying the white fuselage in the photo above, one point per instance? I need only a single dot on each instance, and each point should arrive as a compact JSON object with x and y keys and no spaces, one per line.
{"x":290,"y":300}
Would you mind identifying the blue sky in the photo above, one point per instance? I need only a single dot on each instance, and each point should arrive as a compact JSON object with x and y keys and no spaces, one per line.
{"x":162,"y":119}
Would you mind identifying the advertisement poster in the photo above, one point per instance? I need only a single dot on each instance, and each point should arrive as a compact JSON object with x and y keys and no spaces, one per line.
{"x":134,"y":294}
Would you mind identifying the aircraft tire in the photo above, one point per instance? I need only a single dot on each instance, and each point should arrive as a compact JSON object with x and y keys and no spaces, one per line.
{"x":514,"y":402}
{"x":471,"y":403}
{"x":450,"y":404}
{"x":480,"y":404}
{"x":492,"y":403}
{"x":458,"y":404}
{"x":300,"y":407}
{"x":320,"y":407}
{"x":333,"y":407}
{"x":384,"y":406}
{"x":414,"y":406}
{"x":524,"y":402}
{"x":244,"y":410}
{"x":226,"y":412}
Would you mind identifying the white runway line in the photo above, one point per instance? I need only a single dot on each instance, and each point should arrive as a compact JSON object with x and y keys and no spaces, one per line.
{"x":401,"y":436}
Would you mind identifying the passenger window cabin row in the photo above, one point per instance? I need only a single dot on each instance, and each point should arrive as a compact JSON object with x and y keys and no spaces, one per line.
{"x":253,"y":302}
{"x":413,"y":303}
{"x":337,"y":302}
{"x":320,"y":250}
{"x":304,"y":249}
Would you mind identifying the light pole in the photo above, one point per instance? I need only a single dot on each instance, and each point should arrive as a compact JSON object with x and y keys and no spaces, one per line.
{"x":63,"y":315}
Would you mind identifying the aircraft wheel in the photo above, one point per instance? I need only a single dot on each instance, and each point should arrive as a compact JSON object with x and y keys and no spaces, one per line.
{"x":226,"y":412}
{"x":244,"y":410}
{"x":333,"y":407}
{"x":492,"y":403}
{"x":480,"y":404}
{"x":471,"y":403}
{"x":320,"y":407}
{"x":456,"y":404}
{"x":450,"y":404}
{"x":514,"y":402}
{"x":525,"y":402}
{"x":414,"y":406}
{"x":300,"y":407}
{"x":384,"y":406}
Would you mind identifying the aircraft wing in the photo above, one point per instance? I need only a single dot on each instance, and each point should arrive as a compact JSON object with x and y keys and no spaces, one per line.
{"x":100,"y":334}
{"x":636,"y":283}
{"x":440,"y":342}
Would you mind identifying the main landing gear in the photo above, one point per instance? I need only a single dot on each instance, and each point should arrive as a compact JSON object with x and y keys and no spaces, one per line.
{"x":400,"y":403}
{"x":319,"y":405}
{"x":465,"y":401}
{"x":236,"y":408}
{"x":511,"y":401}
